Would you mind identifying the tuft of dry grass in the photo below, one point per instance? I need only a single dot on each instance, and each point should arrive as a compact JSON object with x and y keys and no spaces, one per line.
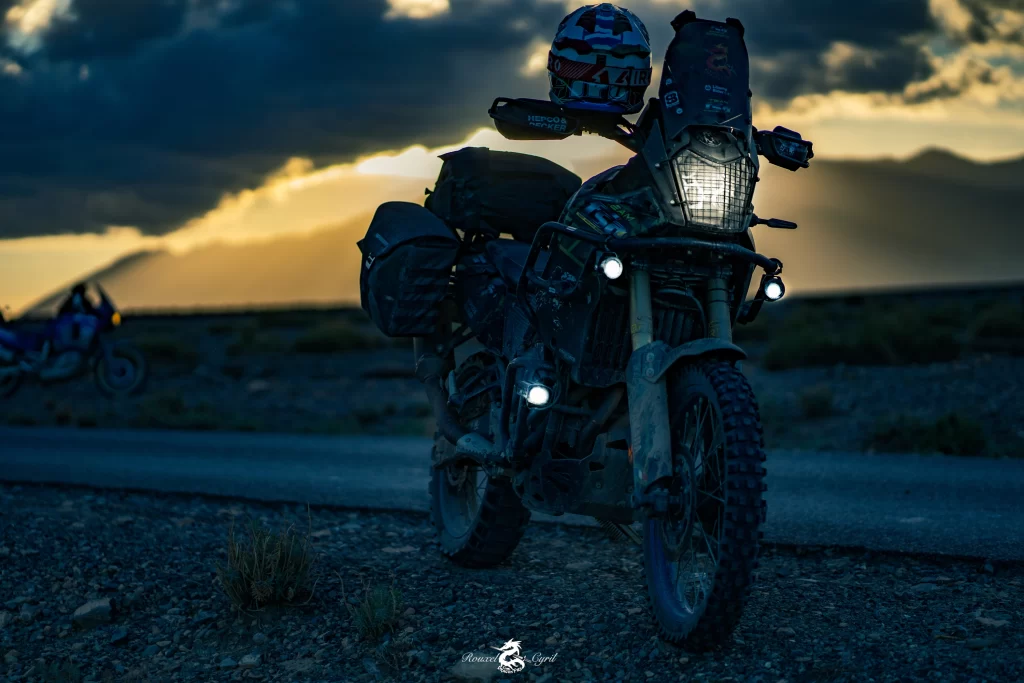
{"x":951,"y":434}
{"x":817,"y":401}
{"x":377,"y":612}
{"x":336,"y":336}
{"x":168,"y":349}
{"x":59,"y":672}
{"x":266,"y":568}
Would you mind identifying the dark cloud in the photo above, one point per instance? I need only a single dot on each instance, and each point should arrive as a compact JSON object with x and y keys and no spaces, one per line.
{"x":987,"y":23}
{"x":186,"y":100}
{"x":172,"y":116}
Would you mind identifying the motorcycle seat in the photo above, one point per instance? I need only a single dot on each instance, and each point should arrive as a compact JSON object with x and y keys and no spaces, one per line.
{"x":509,"y":257}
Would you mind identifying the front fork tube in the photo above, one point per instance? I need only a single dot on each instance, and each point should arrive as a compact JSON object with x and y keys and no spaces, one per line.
{"x":649,"y":420}
{"x":649,"y":424}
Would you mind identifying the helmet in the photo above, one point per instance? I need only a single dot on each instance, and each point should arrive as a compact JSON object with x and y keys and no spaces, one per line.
{"x":600,"y":60}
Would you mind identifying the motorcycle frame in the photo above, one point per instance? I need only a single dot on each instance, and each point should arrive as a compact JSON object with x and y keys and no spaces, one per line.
{"x":627,"y":484}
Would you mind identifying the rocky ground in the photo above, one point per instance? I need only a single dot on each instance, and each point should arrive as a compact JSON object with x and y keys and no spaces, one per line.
{"x":140,"y":571}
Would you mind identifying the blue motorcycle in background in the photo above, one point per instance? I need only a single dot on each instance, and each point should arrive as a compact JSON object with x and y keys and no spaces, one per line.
{"x":70,"y":345}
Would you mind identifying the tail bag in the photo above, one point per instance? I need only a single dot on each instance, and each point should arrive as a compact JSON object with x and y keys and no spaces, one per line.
{"x":408,"y":255}
{"x":492,"y":193}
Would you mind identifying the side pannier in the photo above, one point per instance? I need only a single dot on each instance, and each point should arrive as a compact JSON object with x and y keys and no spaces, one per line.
{"x":408,"y":254}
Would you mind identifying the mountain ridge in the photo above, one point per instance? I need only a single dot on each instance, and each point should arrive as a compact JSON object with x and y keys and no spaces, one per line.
{"x":864,"y":225}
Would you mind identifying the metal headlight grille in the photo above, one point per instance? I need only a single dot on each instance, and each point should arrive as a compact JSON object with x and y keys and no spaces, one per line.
{"x":717,"y":195}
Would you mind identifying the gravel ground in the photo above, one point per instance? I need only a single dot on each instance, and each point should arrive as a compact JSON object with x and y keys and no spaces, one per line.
{"x":815,"y":614}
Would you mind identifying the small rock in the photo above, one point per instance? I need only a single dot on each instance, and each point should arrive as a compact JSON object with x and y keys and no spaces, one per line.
{"x":551,"y":640}
{"x":204,"y":618}
{"x":92,"y":613}
{"x":257,"y":386}
{"x":151,"y":651}
{"x":546,"y":678}
{"x":249,"y":662}
{"x":997,"y":623}
{"x":785,"y":632}
{"x":371,"y":666}
{"x":399,"y":549}
{"x":989,"y":569}
{"x":634,"y":610}
{"x":119,"y":636}
{"x":5,"y":618}
{"x":476,"y":671}
{"x":979,"y":643}
{"x":578,"y":566}
{"x":228,"y":663}
{"x":409,"y":611}
{"x":11,"y":657}
{"x":924,"y":588}
{"x":259,"y":638}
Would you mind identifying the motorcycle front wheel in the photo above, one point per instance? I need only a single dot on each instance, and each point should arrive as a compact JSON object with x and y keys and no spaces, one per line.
{"x":121,"y":373}
{"x":699,"y":560}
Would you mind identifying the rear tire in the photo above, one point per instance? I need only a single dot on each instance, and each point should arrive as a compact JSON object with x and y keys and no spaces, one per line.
{"x":479,"y":521}
{"x":126,"y":375}
{"x":716,"y":558}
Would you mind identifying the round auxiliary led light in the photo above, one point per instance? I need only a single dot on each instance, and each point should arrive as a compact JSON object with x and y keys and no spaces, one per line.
{"x":774,"y":289}
{"x":538,"y":395}
{"x":612,"y":267}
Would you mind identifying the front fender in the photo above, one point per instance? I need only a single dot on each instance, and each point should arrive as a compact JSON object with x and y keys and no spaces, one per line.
{"x":698,"y":348}
{"x":649,"y":419}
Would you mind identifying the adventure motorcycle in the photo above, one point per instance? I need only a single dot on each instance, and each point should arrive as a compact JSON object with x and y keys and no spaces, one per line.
{"x":605,"y":382}
{"x":70,"y":345}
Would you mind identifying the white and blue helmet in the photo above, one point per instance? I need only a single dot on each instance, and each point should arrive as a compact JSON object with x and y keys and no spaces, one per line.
{"x":600,"y":60}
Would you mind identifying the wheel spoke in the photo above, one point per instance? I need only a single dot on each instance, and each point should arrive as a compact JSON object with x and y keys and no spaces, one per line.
{"x":709,"y":496}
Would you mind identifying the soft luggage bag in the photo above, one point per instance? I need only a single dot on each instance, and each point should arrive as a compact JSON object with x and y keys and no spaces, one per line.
{"x":408,"y":254}
{"x":492,"y":193}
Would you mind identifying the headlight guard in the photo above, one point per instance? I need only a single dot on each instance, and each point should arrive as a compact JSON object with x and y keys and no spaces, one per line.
{"x":716,"y":195}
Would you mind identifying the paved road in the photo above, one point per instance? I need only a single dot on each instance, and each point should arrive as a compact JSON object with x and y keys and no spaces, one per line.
{"x":931,"y":504}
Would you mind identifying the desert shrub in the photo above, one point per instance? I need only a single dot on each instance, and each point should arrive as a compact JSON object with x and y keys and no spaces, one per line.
{"x":269,"y":320}
{"x":377,"y":611}
{"x":233,"y":370}
{"x":87,"y":420}
{"x":951,"y":434}
{"x":220,"y":329}
{"x":267,"y":568}
{"x":368,"y":416}
{"x":166,"y":348}
{"x":817,"y":401}
{"x":169,"y":410}
{"x":341,"y":425}
{"x":874,"y":335}
{"x":252,"y":340}
{"x":336,"y":336}
{"x":21,"y":420}
{"x":1002,"y":320}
